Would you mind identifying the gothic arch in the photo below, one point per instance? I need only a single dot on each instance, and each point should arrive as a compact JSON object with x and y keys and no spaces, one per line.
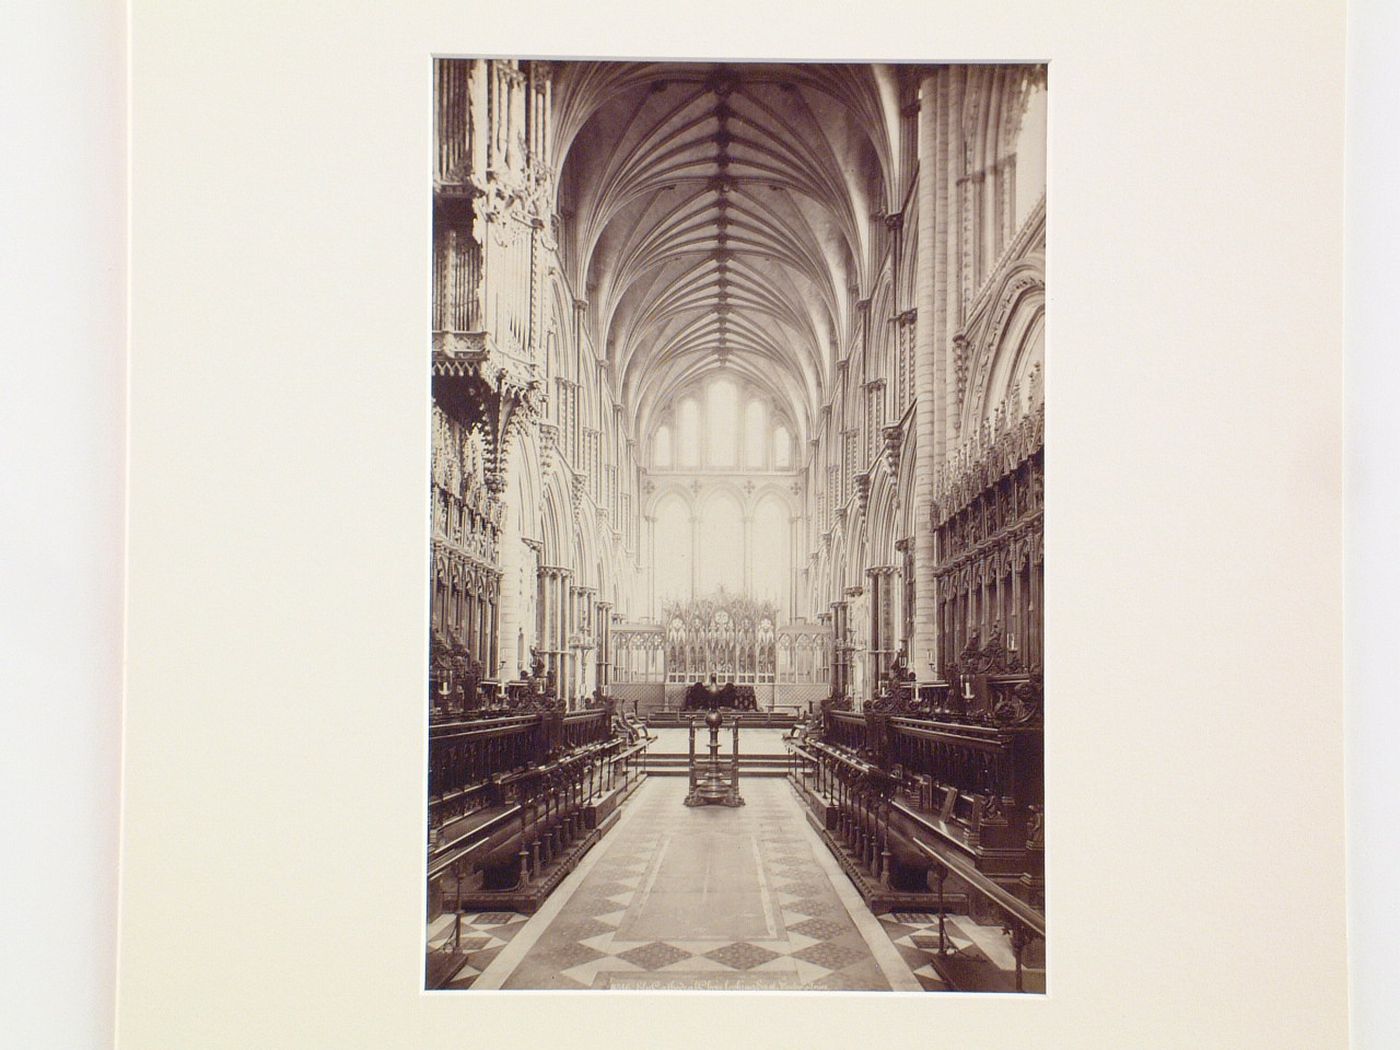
{"x":774,"y":490}
{"x":882,"y":520}
{"x":997,"y":338}
{"x":664,"y":489}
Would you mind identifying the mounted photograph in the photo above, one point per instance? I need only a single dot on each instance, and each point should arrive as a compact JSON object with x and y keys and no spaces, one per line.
{"x":735,"y":672}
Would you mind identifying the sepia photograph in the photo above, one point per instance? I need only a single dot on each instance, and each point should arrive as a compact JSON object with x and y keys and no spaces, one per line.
{"x":583,"y":557}
{"x":737,"y":650}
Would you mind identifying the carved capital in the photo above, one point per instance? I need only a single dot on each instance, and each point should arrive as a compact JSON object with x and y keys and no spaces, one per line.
{"x":549,"y":441}
{"x":893,"y":441}
{"x":863,"y":492}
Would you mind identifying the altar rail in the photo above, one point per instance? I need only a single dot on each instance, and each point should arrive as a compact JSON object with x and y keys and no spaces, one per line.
{"x":1019,"y":919}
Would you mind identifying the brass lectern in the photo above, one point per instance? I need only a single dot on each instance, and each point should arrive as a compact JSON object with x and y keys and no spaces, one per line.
{"x":709,"y":780}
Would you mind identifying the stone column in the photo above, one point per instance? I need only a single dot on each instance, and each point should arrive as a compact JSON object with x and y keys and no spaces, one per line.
{"x":955,"y":190}
{"x":577,"y":628}
{"x":650,"y":555}
{"x":544,"y":614}
{"x":930,"y":349}
{"x":584,"y":625}
{"x":794,"y":546}
{"x":875,"y":589}
{"x":522,"y":627}
{"x":857,"y":658}
{"x":493,"y":635}
{"x":565,"y":622}
{"x":509,"y":603}
{"x":1017,"y":616}
{"x":469,"y":622}
{"x":605,"y":655}
{"x":839,"y":653}
{"x":541,"y":605}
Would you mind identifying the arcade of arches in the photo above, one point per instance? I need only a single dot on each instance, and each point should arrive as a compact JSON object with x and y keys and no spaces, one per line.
{"x":737,"y":378}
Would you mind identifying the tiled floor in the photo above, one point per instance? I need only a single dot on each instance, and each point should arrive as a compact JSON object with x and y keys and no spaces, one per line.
{"x":714,"y":898}
{"x":482,"y":936}
{"x":704,"y":898}
{"x":978,"y":958}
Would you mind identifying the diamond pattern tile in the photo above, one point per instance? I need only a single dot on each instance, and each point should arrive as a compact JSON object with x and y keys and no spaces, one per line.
{"x":741,"y":955}
{"x":655,"y":955}
{"x":594,"y":906}
{"x":584,"y":928}
{"x":814,"y":906}
{"x":831,"y":955}
{"x":632,"y":917}
{"x":566,"y":954}
{"x":819,"y":929}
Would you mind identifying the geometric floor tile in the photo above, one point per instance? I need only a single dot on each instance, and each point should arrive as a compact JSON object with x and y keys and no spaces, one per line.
{"x":709,"y":898}
{"x":819,"y":929}
{"x":829,"y":954}
{"x":813,"y":906}
{"x":587,"y":927}
{"x":569,"y":953}
{"x":653,"y":956}
{"x":741,"y":955}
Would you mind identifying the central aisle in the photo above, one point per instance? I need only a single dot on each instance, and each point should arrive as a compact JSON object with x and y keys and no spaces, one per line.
{"x":704,"y":898}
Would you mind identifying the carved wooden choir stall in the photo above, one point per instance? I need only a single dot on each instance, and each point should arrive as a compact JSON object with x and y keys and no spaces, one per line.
{"x":932,"y":795}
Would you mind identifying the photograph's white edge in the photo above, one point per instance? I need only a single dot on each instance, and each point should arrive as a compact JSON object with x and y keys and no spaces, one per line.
{"x":1373,"y":516}
{"x":69,"y":1007}
{"x":1181,"y":432}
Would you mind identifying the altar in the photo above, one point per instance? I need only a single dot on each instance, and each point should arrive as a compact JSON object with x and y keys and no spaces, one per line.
{"x":726,"y":697}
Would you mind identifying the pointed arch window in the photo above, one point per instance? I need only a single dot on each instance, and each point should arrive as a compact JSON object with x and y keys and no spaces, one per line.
{"x":756,"y":435}
{"x":782,"y":448}
{"x":687,"y":452}
{"x":722,"y":424}
{"x":661,"y":448}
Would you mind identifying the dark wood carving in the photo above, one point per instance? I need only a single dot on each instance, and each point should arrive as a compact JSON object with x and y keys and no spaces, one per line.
{"x":729,"y":696}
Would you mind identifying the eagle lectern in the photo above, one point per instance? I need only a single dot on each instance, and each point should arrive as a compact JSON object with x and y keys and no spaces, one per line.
{"x":709,"y":780}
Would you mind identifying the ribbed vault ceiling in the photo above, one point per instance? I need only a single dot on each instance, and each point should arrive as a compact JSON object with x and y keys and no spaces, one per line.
{"x":721,"y":217}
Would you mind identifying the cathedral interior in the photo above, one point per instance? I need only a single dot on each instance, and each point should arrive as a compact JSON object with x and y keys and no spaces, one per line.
{"x":735,"y":676}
